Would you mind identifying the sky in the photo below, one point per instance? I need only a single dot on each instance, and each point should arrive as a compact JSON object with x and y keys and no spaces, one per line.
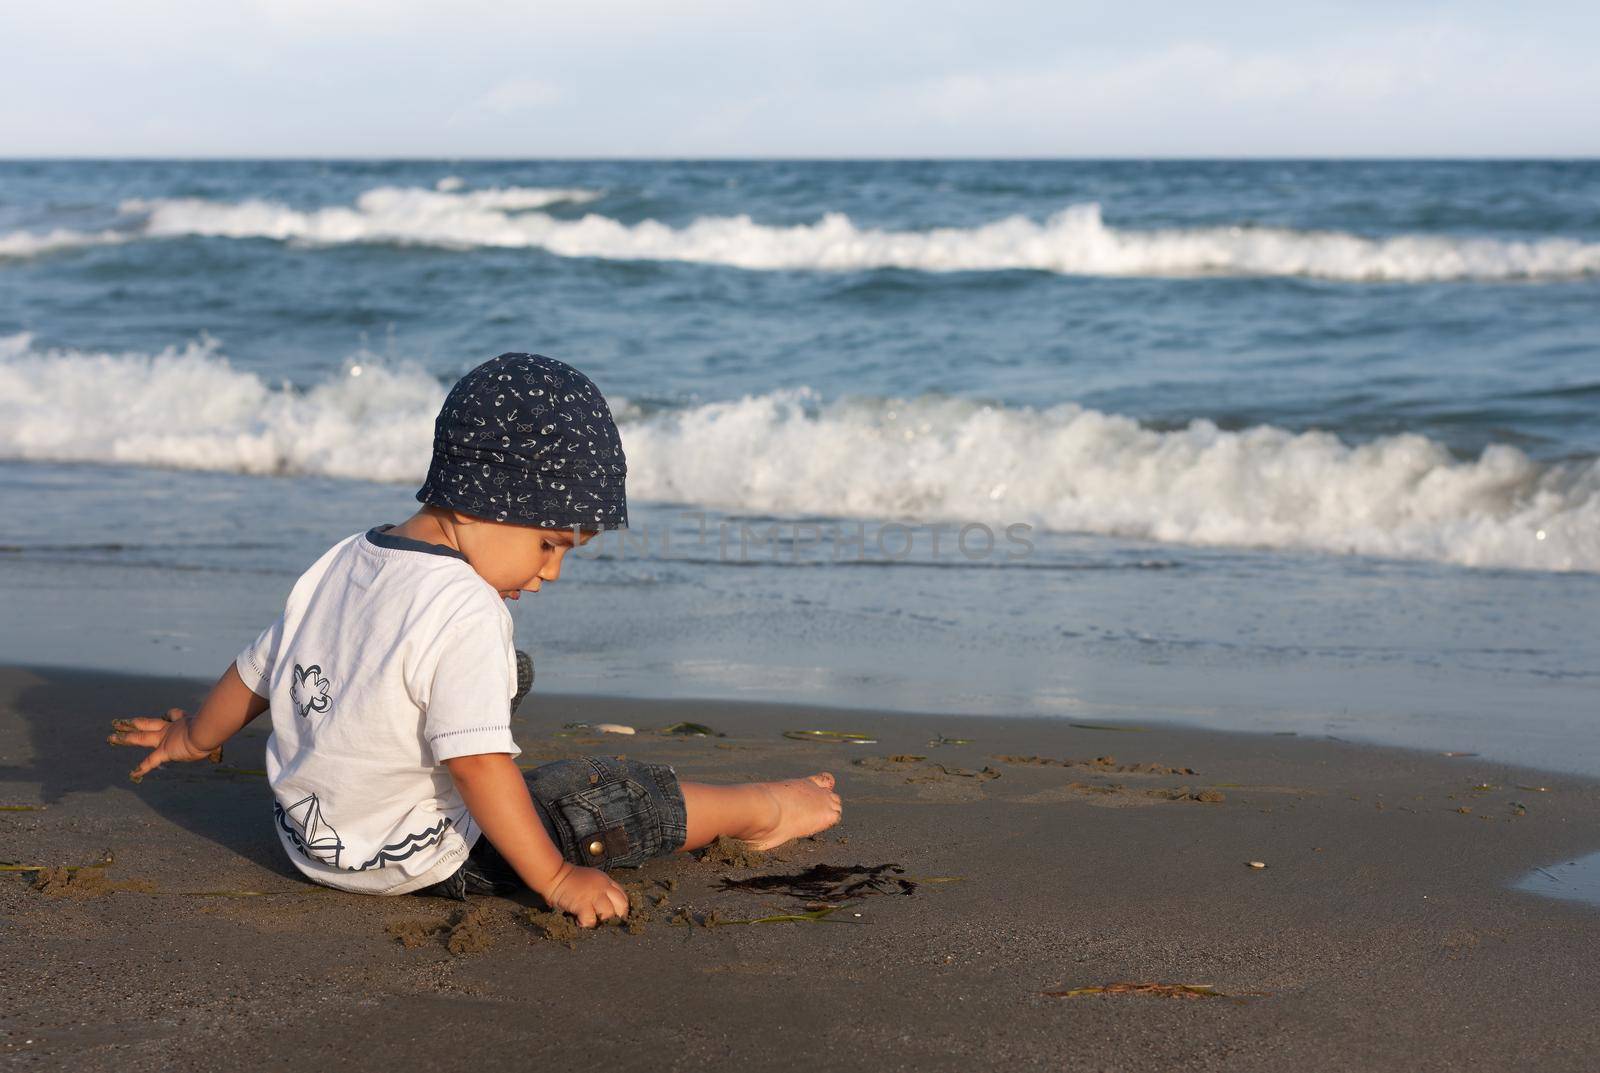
{"x":863,"y":78}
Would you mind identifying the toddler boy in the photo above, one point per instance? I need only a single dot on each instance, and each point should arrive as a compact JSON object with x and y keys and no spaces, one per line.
{"x":391,"y":673}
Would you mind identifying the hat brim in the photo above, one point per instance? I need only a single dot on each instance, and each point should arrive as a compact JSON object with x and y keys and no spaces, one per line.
{"x":589,"y":505}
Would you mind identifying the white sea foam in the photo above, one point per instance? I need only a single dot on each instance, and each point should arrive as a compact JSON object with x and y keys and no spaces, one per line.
{"x":1075,"y":241}
{"x":1063,"y":468}
{"x":188,"y":408}
{"x":20,"y":244}
{"x":386,"y":214}
{"x":1077,"y":470}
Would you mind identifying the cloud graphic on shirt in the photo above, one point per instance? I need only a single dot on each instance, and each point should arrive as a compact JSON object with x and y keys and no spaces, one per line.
{"x":309,"y":690}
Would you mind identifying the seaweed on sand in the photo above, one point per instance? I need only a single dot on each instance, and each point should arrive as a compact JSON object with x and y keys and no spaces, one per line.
{"x":1185,"y":991}
{"x":829,"y":882}
{"x":692,"y":730}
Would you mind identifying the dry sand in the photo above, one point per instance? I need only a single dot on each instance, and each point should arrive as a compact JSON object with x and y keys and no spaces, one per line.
{"x":976,"y":879}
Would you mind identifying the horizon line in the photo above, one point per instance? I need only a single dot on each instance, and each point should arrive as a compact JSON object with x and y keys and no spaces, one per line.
{"x":88,"y":158}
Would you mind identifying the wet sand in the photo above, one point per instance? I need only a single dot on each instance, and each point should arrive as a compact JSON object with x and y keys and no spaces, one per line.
{"x":1038,"y":857}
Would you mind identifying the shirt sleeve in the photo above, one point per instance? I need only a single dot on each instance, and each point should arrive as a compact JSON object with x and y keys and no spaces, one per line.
{"x":468,"y":706}
{"x":256,"y":661}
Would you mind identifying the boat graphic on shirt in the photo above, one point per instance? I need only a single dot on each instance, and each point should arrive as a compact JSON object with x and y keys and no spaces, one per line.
{"x":302,"y":822}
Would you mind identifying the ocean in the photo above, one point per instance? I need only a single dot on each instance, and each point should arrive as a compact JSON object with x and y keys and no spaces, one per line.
{"x":1308,"y":447}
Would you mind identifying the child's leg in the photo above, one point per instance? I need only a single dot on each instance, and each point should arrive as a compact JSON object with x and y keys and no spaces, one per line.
{"x":765,"y":814}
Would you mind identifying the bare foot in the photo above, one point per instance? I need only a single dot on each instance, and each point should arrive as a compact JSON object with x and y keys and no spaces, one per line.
{"x":800,"y":807}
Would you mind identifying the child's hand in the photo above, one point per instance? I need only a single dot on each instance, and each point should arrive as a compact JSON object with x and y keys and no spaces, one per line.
{"x":167,"y":738}
{"x":588,"y":894}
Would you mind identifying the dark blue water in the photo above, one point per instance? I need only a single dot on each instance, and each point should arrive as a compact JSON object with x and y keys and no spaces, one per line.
{"x":1268,"y":422}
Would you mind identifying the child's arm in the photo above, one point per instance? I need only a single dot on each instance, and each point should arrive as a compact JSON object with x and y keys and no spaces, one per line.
{"x":176,"y":736}
{"x":492,"y":787}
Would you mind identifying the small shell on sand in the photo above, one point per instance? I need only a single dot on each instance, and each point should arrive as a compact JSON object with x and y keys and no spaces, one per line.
{"x":1256,"y":864}
{"x":613,"y":728}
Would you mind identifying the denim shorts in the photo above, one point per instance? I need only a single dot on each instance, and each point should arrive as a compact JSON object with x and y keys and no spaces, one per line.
{"x":603,"y":812}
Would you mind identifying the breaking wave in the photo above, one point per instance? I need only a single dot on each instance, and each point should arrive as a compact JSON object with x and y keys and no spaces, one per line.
{"x":1063,"y":468}
{"x":442,"y":217}
{"x":1074,"y":241}
{"x":20,"y":244}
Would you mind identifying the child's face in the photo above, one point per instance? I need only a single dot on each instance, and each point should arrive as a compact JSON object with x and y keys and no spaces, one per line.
{"x":517,"y":558}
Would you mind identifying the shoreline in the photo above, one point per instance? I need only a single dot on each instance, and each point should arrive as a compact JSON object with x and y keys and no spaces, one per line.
{"x":1111,"y":651}
{"x":1384,"y":932}
{"x":1395,"y":653}
{"x":1266,"y":722}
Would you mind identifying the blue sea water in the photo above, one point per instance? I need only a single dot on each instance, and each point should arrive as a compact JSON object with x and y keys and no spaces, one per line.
{"x":1305,"y":445}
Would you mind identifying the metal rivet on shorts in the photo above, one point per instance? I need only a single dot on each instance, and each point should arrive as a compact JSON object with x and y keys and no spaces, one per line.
{"x":593,"y":779}
{"x":596,"y":848}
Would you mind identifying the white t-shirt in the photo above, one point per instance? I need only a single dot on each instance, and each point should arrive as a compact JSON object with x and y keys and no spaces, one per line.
{"x":391,"y":657}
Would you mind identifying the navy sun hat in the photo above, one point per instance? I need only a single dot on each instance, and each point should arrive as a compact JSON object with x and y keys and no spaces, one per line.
{"x":528,"y":440}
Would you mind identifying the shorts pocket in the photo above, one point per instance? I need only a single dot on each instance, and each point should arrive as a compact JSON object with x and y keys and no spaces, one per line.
{"x":612,"y":824}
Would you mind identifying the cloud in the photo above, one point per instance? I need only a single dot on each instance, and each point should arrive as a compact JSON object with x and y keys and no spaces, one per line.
{"x":1420,"y":89}
{"x":517,"y":96}
{"x":753,"y":77}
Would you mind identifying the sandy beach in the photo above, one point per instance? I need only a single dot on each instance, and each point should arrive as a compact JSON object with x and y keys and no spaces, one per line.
{"x":1033,"y":861}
